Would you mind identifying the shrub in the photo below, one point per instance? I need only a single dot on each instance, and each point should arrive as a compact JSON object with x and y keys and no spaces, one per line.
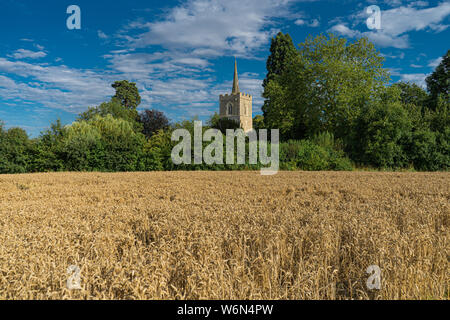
{"x":83,"y":147}
{"x":47,"y":151}
{"x":426,"y":153}
{"x":14,"y":150}
{"x":379,"y":134}
{"x":104,"y":144}
{"x":309,"y":156}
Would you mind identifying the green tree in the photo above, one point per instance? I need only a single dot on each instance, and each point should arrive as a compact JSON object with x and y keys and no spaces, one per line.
{"x":326,"y":87}
{"x":153,"y":121}
{"x":222,"y":124}
{"x":282,"y":53}
{"x":127,"y":93}
{"x":103,"y":144}
{"x":83,"y":149}
{"x":14,"y":150}
{"x":411,"y":93}
{"x":430,"y":143}
{"x":438,"y":83}
{"x":47,"y":151}
{"x":380,"y":133}
{"x":158,"y":150}
{"x":426,"y":152}
{"x":116,"y":109}
{"x":258,"y":122}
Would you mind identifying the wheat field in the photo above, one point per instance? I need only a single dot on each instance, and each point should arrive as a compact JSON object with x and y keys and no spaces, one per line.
{"x":225,"y":235}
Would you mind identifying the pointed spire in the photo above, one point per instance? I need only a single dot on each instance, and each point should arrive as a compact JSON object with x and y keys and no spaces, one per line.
{"x":235,"y":80}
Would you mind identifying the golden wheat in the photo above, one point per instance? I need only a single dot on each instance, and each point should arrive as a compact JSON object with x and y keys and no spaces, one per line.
{"x":225,"y":235}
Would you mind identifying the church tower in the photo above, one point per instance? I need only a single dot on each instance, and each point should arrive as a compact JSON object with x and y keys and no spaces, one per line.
{"x":237,"y":105}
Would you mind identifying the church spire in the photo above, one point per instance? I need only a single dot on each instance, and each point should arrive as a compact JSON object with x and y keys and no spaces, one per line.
{"x":235,"y":80}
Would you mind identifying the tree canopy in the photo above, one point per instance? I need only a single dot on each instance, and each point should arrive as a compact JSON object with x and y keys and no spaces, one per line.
{"x":438,"y":83}
{"x":331,"y":99}
{"x":153,"y":121}
{"x":325,"y":88}
{"x":127,"y":93}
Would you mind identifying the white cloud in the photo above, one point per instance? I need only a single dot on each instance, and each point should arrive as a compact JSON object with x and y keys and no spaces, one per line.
{"x":392,"y":3}
{"x":231,"y":27}
{"x":419,"y":4}
{"x":400,"y":20}
{"x":396,"y":3}
{"x":397,"y":22}
{"x":384,"y":40}
{"x":342,"y":29}
{"x":24,"y":54}
{"x":401,"y":55}
{"x":192,"y":61}
{"x":434,"y":63}
{"x":312,"y":23}
{"x":102,"y":35}
{"x":54,"y":86}
{"x":188,"y":38}
{"x":417,"y":78}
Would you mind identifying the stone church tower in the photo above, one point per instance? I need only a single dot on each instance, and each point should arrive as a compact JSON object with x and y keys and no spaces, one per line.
{"x":237,"y":105}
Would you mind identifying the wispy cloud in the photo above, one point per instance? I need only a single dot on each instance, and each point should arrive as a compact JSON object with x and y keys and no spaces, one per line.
{"x":188,"y":39}
{"x":417,"y":78}
{"x":396,"y":23}
{"x":309,"y":23}
{"x":28,"y":54}
{"x":232,"y":27}
{"x":102,"y":35}
{"x":58,"y":87}
{"x":435,"y":62}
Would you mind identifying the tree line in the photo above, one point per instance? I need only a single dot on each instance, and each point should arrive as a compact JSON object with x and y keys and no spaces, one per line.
{"x":331,"y":100}
{"x":332,"y":86}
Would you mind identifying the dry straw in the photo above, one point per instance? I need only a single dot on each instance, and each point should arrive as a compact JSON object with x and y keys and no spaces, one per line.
{"x":224,"y":235}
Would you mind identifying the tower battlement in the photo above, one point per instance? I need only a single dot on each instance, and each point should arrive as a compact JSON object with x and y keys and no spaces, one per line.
{"x":242,"y":94}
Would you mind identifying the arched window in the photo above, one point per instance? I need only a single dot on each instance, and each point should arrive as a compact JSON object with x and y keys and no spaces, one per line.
{"x":230,"y":109}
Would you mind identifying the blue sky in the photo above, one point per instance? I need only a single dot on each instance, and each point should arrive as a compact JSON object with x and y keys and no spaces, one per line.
{"x":181,"y":53}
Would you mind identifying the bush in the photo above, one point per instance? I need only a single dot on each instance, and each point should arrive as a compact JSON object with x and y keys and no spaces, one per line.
{"x":379,"y":134}
{"x":83,"y":147}
{"x":324,"y":139}
{"x":15,"y":150}
{"x":223,"y":124}
{"x":47,"y":151}
{"x":425,"y":151}
{"x":103,"y":144}
{"x":309,"y":156}
{"x":312,"y":157}
{"x":340,"y":162}
{"x":152,"y":121}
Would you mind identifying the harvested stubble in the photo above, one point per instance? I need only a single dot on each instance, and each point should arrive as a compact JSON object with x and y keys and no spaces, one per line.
{"x":225,"y":235}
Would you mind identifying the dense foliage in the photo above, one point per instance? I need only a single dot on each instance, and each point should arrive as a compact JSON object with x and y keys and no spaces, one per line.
{"x":332,"y":101}
{"x":153,"y":121}
{"x":342,"y":88}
